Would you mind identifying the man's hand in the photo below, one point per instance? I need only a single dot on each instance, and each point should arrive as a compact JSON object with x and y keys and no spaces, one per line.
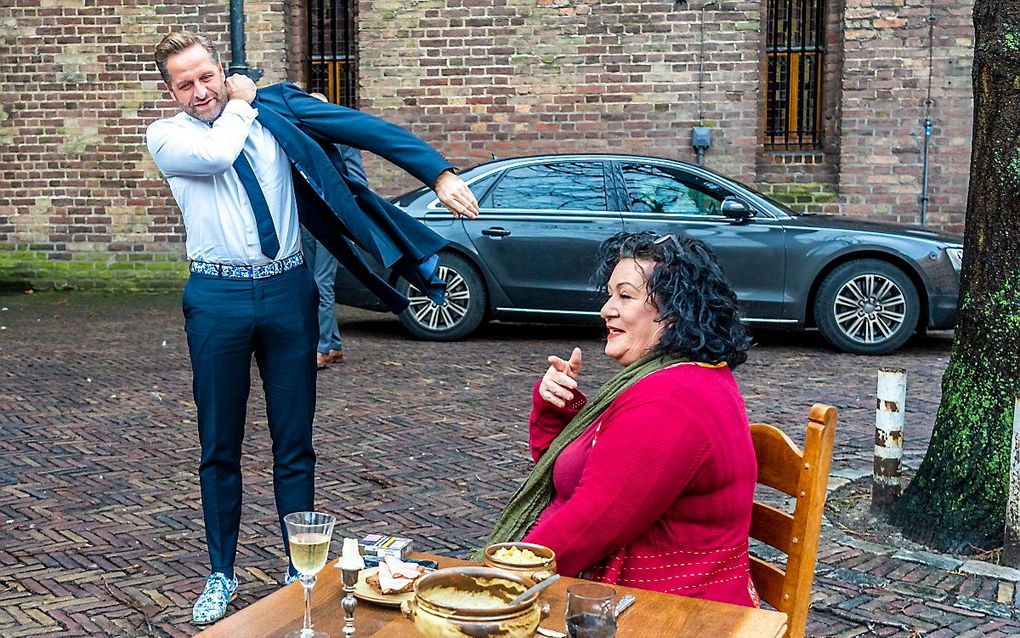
{"x":240,"y":87}
{"x":560,"y":379}
{"x":456,"y":196}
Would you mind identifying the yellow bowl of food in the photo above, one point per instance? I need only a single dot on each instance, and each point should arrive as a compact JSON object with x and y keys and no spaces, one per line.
{"x":537,"y":562}
{"x":467,"y":602}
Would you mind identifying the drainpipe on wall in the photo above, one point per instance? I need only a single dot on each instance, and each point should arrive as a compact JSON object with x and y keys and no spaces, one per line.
{"x":238,"y":63}
{"x":924,"y":187}
{"x":701,"y":135}
{"x":928,"y":103}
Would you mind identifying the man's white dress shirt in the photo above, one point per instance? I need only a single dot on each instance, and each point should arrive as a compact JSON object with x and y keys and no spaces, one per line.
{"x":197,"y":160}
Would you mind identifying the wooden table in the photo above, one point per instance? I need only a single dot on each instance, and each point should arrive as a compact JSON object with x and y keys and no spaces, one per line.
{"x":654,"y":615}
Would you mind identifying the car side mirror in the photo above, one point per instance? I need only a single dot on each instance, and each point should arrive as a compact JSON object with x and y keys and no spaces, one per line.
{"x":734,"y":208}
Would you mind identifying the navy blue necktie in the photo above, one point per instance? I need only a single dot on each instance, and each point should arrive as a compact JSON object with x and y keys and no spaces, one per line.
{"x":263,"y":221}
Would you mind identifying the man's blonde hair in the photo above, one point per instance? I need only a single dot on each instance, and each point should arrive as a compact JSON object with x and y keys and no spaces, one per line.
{"x":174,"y":43}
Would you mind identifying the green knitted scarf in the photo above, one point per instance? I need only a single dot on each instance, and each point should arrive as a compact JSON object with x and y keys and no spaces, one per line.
{"x":532,"y":498}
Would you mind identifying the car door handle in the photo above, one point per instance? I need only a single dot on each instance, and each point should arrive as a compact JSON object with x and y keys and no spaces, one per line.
{"x":495,"y":232}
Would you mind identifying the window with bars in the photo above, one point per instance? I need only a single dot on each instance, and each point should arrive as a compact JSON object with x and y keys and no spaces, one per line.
{"x":795,"y":49}
{"x":332,"y":57}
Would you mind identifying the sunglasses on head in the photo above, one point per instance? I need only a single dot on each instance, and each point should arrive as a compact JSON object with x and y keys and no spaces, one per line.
{"x":665,"y":238}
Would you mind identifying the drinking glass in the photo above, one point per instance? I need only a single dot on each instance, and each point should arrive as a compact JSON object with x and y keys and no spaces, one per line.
{"x":309,"y":534}
{"x":590,"y":611}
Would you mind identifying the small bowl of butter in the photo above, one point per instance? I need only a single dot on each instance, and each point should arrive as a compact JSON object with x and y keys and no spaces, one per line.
{"x":537,"y":562}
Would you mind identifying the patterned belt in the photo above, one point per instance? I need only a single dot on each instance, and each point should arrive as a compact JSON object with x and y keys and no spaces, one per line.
{"x":260,"y":271}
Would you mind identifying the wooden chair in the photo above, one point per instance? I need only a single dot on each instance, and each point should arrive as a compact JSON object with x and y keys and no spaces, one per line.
{"x":803,"y":475}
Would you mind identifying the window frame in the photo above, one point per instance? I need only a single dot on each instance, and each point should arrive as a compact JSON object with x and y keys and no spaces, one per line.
{"x":789,"y":125}
{"x":335,"y":50}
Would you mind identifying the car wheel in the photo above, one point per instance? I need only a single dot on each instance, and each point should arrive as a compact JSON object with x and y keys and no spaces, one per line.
{"x":461,"y":313}
{"x":867,"y":307}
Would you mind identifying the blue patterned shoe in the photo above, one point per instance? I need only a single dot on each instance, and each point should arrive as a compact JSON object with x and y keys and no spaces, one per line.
{"x":290,"y":577}
{"x":212,"y":604}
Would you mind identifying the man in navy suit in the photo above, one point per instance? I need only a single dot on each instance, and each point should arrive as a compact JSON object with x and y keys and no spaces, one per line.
{"x":242,"y":170}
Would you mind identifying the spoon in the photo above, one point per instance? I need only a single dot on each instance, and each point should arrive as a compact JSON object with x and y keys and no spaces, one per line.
{"x":621,"y":605}
{"x":535,"y":589}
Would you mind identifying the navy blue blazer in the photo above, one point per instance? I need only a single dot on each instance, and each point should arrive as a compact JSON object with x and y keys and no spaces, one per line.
{"x":337,"y":207}
{"x":353,"y":165}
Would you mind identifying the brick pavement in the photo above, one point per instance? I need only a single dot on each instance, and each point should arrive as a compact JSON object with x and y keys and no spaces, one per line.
{"x":99,"y":512}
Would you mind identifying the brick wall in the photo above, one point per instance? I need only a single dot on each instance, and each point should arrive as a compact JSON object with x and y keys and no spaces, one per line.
{"x":532,"y":76}
{"x":809,"y":180}
{"x":81,"y":203}
{"x":885,"y":85}
{"x":515,"y":77}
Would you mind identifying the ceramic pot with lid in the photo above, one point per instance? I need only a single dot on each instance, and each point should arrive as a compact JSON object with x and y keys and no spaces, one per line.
{"x":473,"y":602}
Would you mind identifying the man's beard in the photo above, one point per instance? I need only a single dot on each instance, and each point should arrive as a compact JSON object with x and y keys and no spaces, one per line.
{"x":220,"y":102}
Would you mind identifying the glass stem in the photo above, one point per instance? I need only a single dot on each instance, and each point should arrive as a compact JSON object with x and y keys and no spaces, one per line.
{"x":308,"y":583}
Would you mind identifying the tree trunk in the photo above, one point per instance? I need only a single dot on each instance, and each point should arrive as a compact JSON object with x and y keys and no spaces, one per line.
{"x":957,"y":500}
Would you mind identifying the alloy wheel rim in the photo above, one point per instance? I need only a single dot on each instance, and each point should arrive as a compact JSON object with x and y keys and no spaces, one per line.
{"x":870,"y":308}
{"x":433,"y":316}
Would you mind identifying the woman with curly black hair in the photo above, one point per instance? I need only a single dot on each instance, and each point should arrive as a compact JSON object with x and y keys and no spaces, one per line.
{"x":649,"y":483}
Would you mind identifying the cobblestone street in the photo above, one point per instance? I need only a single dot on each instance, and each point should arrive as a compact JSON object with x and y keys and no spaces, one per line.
{"x":99,"y":498}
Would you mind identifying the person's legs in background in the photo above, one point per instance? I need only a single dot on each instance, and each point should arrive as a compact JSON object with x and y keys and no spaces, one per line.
{"x":324,"y":266}
{"x":325,"y":279}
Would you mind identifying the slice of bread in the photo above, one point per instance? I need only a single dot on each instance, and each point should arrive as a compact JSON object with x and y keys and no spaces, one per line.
{"x":373,"y":582}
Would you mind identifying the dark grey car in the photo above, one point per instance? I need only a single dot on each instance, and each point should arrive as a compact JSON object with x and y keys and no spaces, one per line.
{"x":866,"y":286}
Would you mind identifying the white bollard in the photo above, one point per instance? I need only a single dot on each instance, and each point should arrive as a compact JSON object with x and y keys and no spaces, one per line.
{"x":892,"y":395}
{"x":1011,"y":538}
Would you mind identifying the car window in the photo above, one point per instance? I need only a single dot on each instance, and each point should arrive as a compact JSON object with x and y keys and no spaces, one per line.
{"x":410,"y":196}
{"x":480,"y":187}
{"x":659,"y":189}
{"x":553,"y":186}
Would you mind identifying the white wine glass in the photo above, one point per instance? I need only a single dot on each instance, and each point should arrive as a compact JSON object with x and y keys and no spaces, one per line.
{"x":308,"y":535}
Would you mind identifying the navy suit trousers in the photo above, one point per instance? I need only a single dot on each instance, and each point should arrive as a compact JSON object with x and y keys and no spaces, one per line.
{"x":227,"y":321}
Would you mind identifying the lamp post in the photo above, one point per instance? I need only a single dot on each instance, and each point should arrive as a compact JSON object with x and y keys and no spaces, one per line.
{"x":238,"y":63}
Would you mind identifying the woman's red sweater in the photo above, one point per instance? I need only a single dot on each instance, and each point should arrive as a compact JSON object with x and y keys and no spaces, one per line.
{"x":657,"y":492}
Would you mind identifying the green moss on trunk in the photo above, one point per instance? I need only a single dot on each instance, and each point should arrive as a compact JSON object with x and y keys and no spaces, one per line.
{"x":957,"y":500}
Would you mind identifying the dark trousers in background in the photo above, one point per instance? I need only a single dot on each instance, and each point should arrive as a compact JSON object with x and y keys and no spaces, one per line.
{"x":323,"y":265}
{"x":228,"y":320}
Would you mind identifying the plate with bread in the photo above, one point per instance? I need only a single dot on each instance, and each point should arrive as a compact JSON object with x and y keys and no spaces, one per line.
{"x":389,"y":584}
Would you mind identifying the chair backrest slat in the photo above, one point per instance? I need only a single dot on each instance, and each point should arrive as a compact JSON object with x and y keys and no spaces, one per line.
{"x":803,"y":474}
{"x":771,"y":526}
{"x":776,"y":455}
{"x":768,"y":579}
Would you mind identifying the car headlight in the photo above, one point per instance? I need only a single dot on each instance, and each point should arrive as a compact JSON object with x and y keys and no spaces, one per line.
{"x":955,"y":257}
